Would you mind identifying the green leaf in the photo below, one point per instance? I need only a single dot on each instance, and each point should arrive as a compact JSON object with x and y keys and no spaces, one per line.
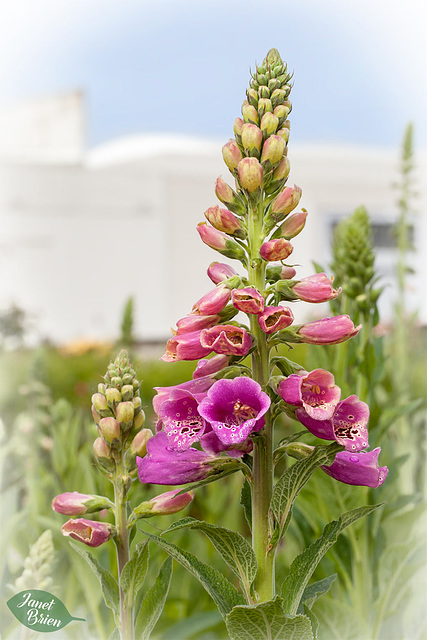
{"x":303,"y":566}
{"x":281,"y":448}
{"x":40,"y":610}
{"x":313,"y":620}
{"x":314,"y":591}
{"x":234,"y":549}
{"x":224,"y":594}
{"x":153,"y":602}
{"x":267,"y":621}
{"x":292,"y":481}
{"x":109,"y":586}
{"x":193,"y":626}
{"x":134,"y":572}
{"x":246,"y":502}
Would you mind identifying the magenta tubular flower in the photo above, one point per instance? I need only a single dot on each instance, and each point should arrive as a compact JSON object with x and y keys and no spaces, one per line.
{"x":234,"y":408}
{"x":226,"y":339}
{"x":161,"y":465}
{"x":248,"y":300}
{"x":185,"y":347}
{"x":218,"y":271}
{"x":328,"y":330}
{"x":348,"y":424}
{"x":316,"y":392}
{"x":91,"y":533}
{"x":77,"y":504}
{"x":208,"y":367}
{"x":212,"y":302}
{"x":195,"y":387}
{"x":274,"y":250}
{"x":315,"y":288}
{"x":213,"y":445}
{"x":224,"y":220}
{"x":195,"y":322}
{"x":274,"y":318}
{"x":359,"y":469}
{"x":181,"y":420}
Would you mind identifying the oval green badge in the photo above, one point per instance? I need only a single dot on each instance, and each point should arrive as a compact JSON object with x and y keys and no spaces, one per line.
{"x":40,"y":610}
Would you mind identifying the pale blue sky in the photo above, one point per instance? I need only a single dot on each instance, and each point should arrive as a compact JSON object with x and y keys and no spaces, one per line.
{"x":360,"y":66}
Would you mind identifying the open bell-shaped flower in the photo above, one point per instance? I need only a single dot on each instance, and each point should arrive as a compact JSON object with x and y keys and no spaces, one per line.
{"x":359,"y":469}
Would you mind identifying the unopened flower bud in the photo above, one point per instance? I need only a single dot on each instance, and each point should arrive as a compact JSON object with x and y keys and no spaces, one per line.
{"x":275,"y":250}
{"x":282,"y":112}
{"x":101,"y":388}
{"x":282,"y":170}
{"x":103,"y":454}
{"x":124,"y":415}
{"x":252,"y":96}
{"x":224,"y":220}
{"x":138,"y":447}
{"x":218,"y":272}
{"x":228,"y":196}
{"x":278,"y":97}
{"x":100,"y":404}
{"x":109,"y":429}
{"x":164,"y":504}
{"x":250,"y":114}
{"x":263,"y":92}
{"x":96,"y":415}
{"x":272,"y":150}
{"x":127,"y":392}
{"x":213,"y":301}
{"x":252,"y":140}
{"x":237,"y":128}
{"x":284,"y":134}
{"x":220,"y":242}
{"x":293,"y":225}
{"x":269,"y":124}
{"x":250,"y":174}
{"x":113,"y":396}
{"x":264,"y":105}
{"x":232,"y":155}
{"x":117,"y":382}
{"x":77,"y":504}
{"x":299,"y":450}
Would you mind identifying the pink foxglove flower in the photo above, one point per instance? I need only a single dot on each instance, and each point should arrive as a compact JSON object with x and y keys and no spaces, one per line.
{"x":347,"y":425}
{"x":315,"y":288}
{"x":197,"y":388}
{"x":186,"y":346}
{"x":226,"y":339}
{"x":328,"y":330}
{"x":274,"y":318}
{"x":213,"y":445}
{"x":181,"y":421}
{"x":234,"y":408}
{"x":212,"y":302}
{"x":218,"y":271}
{"x":359,"y":469}
{"x":275,"y":250}
{"x":195,"y":322}
{"x":91,"y":533}
{"x":248,"y":300}
{"x":316,"y":392}
{"x":208,"y":367}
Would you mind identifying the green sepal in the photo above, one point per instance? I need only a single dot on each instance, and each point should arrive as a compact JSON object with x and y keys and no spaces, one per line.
{"x":233,"y":548}
{"x":281,"y":448}
{"x":109,"y":586}
{"x":134,"y":572}
{"x":304,"y":565}
{"x":223,"y":593}
{"x":267,"y":620}
{"x":286,"y":367}
{"x":153,"y":602}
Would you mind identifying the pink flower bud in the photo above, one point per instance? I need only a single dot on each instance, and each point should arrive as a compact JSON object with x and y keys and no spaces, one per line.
{"x":109,"y":429}
{"x":213,"y":301}
{"x":170,"y":502}
{"x":252,"y":139}
{"x":250,"y":174}
{"x":328,"y":330}
{"x":286,"y":201}
{"x":278,"y":249}
{"x":218,"y":271}
{"x":226,"y":339}
{"x":185,"y":347}
{"x":219,"y":241}
{"x":293,"y":225}
{"x":91,"y":533}
{"x":232,"y":155}
{"x":248,"y":300}
{"x":287,"y":273}
{"x":124,"y":414}
{"x":269,"y":124}
{"x":76,"y":504}
{"x":275,"y":318}
{"x":227,"y":196}
{"x":250,"y":114}
{"x":315,"y":288}
{"x":138,"y":446}
{"x":100,"y":403}
{"x":208,"y":367}
{"x":237,"y":128}
{"x":272,"y":150}
{"x":282,"y":170}
{"x":224,"y":220}
{"x":194,"y":322}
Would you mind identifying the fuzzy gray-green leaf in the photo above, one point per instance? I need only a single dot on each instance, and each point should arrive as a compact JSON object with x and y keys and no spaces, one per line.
{"x":303,"y":566}
{"x":153,"y":602}
{"x":224,"y":594}
{"x":267,"y":621}
{"x":235,"y":550}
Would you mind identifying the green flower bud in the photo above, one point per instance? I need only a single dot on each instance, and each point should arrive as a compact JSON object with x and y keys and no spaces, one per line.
{"x":113,"y":396}
{"x":96,"y":415}
{"x":124,"y":414}
{"x":116,"y":382}
{"x":137,"y":404}
{"x":139,"y":419}
{"x":282,"y":112}
{"x":264,"y":106}
{"x":250,"y":114}
{"x":101,"y":388}
{"x":127,"y":392}
{"x":100,"y":404}
{"x":264,"y":92}
{"x":252,"y":97}
{"x":103,"y":455}
{"x":269,"y":124}
{"x":109,"y":429}
{"x":278,"y":97}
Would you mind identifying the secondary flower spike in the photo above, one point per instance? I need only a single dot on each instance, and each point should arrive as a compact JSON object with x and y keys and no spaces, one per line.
{"x":235,"y":408}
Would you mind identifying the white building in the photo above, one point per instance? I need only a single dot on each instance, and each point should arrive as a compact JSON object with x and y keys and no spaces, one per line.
{"x":83,"y":229}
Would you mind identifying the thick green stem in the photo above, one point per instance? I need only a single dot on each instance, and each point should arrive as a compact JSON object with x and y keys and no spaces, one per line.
{"x":263,"y":446}
{"x":123,"y":553}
